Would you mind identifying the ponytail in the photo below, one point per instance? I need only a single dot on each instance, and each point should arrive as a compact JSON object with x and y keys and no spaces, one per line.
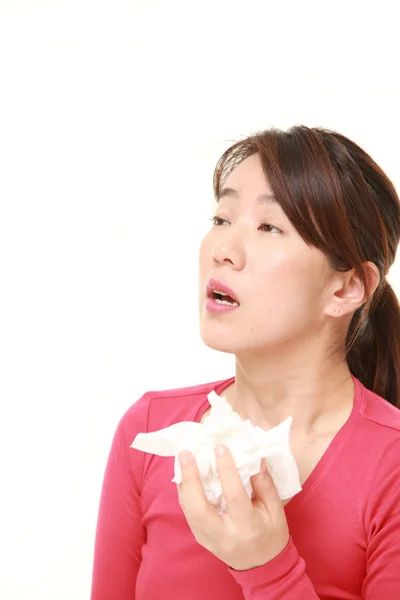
{"x":374,"y":357}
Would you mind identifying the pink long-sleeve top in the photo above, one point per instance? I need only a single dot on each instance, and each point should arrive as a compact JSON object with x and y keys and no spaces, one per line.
{"x":344,"y":524}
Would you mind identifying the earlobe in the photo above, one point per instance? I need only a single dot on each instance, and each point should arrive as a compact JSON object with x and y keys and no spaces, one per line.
{"x":332,"y":310}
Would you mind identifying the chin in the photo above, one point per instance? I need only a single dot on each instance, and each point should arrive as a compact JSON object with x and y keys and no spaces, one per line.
{"x":214,"y":345}
{"x":214,"y":338}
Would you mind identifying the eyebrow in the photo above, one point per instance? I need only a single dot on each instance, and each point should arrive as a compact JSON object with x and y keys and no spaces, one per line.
{"x":233,"y":193}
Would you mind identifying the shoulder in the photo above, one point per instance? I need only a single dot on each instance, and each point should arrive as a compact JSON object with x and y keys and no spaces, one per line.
{"x":379,"y":423}
{"x":382,"y":499}
{"x":379,"y":413}
{"x":160,"y":408}
{"x":374,"y":457}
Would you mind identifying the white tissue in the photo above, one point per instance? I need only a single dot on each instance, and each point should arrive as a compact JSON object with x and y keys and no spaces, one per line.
{"x":248,"y":445}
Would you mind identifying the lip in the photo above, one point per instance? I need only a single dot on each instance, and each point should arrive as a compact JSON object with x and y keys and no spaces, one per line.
{"x":215,"y":284}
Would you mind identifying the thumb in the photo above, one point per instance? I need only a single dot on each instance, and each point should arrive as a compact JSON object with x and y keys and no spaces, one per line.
{"x":265,"y":489}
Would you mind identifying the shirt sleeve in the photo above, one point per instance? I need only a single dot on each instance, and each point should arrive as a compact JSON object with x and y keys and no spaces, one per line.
{"x":382,"y":522}
{"x":283,"y":578}
{"x":119,"y":533}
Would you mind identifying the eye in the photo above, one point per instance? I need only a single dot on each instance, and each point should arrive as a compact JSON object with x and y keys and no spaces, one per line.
{"x":216,"y":221}
{"x":271,"y":227}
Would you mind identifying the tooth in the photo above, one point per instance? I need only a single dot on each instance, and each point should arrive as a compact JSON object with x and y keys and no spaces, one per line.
{"x":218,"y":301}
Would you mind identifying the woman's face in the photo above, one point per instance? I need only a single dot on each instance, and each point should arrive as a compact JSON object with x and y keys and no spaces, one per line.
{"x":279,"y":281}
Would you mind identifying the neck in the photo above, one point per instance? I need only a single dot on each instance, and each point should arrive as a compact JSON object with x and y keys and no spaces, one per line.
{"x":317,"y":394}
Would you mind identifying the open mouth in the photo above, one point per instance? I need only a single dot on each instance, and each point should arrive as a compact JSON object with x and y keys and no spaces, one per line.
{"x":221,"y":293}
{"x":222,"y":298}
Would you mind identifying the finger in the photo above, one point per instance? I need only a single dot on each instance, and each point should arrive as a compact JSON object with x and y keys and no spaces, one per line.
{"x":191,"y":493}
{"x":238,"y":503}
{"x":265,"y":489}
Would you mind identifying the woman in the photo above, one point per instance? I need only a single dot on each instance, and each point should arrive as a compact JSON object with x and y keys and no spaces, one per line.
{"x":293,"y":283}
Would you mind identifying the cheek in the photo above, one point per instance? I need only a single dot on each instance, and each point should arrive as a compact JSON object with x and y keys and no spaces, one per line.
{"x":289,"y":278}
{"x":281,"y":266}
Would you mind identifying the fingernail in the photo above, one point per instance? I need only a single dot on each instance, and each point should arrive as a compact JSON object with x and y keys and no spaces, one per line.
{"x":220,"y":450}
{"x":184,"y":458}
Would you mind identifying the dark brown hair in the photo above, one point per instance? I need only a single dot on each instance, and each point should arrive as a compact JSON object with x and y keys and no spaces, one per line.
{"x":341,"y":202}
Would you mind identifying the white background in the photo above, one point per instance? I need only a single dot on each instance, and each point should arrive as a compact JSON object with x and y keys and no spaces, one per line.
{"x":112,"y":116}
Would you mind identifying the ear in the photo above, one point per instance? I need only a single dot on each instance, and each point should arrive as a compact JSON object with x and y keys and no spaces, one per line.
{"x":348,"y":292}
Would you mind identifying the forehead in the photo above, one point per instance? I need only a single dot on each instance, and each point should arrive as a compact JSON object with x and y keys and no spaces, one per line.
{"x":248,"y":183}
{"x":248,"y":175}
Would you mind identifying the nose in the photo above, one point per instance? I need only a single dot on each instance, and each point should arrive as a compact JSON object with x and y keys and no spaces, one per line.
{"x":228,"y":250}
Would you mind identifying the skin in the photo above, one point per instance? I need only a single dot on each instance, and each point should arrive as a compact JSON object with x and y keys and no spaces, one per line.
{"x":288,"y":338}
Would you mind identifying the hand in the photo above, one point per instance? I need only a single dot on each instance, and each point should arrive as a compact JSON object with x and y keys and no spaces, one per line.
{"x":252,"y":532}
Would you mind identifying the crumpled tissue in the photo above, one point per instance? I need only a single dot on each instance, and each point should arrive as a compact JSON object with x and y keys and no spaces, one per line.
{"x":247,"y":444}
